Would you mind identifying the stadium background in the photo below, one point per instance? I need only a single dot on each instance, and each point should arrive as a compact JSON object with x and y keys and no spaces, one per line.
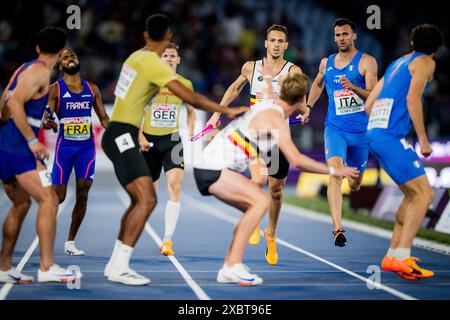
{"x":217,"y":37}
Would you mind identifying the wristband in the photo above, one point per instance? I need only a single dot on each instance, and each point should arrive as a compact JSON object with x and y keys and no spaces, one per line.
{"x":34,"y":140}
{"x":331,"y":171}
{"x":309,"y":106}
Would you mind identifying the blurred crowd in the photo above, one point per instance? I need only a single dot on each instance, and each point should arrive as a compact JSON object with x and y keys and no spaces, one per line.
{"x":215,"y":38}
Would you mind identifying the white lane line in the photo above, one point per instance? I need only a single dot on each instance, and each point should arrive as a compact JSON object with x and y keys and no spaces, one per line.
{"x":8,"y":286}
{"x":199,"y":292}
{"x":208,"y":209}
{"x":374,"y":231}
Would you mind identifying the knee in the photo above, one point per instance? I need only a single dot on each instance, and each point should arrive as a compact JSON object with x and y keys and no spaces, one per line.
{"x":335,"y":181}
{"x":23,"y":205}
{"x":263,"y":202}
{"x":148,"y":203}
{"x":260,"y":181}
{"x":82,"y":195}
{"x":276,"y":194}
{"x":174,"y":188}
{"x":428,"y":195}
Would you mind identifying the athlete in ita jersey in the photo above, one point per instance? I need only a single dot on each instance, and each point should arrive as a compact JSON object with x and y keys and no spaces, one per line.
{"x":72,"y":99}
{"x":395,"y":105}
{"x":275,"y":169}
{"x":348,"y":77}
{"x":22,"y":169}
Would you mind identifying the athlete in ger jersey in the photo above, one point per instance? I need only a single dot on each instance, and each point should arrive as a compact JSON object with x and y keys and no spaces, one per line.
{"x":276,"y":169}
{"x":72,"y":99}
{"x":161,"y":144}
{"x":348,"y":76}
{"x":143,"y":74}
{"x":395,"y":106}
{"x":217,"y":169}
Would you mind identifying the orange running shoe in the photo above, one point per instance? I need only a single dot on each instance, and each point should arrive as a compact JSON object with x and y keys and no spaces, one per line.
{"x":166,"y":248}
{"x":271,"y":249}
{"x":254,"y":237}
{"x":395,"y":265}
{"x":417,"y":271}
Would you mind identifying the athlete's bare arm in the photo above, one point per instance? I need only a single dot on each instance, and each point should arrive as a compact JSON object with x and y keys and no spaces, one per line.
{"x":273,"y":121}
{"x":99,"y":107}
{"x":373,"y":96}
{"x":190,"y":119}
{"x":422,"y":70}
{"x":201,"y":102}
{"x":316,"y":90}
{"x":33,"y":81}
{"x":234,"y":89}
{"x":4,"y":111}
{"x":369,"y":69}
{"x":52,"y":99}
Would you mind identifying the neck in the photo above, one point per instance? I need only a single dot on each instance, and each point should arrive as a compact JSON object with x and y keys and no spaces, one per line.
{"x":287,"y":108}
{"x":154,"y":46}
{"x":49,"y":59}
{"x":68,"y":78}
{"x":347,"y":54}
{"x":275,"y":61}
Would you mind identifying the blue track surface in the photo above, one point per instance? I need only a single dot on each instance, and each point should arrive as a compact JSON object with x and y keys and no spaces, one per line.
{"x":200,"y":243}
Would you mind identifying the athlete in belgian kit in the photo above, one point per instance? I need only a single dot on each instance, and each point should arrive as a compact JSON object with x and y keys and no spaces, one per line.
{"x":72,"y":99}
{"x":348,"y":76}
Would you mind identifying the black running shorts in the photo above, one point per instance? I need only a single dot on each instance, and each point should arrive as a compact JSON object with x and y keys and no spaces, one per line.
{"x":120,"y":143}
{"x":204,"y":178}
{"x":165,"y":152}
{"x":279,"y":162}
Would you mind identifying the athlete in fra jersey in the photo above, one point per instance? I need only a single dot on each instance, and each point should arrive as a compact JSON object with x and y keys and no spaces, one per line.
{"x":73,"y":98}
{"x":276,"y":169}
{"x":348,"y":76}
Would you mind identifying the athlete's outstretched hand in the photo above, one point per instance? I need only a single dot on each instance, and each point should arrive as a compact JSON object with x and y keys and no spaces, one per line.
{"x":233,"y":112}
{"x":425,"y":148}
{"x":304,"y":117}
{"x":40,"y":152}
{"x":48,"y":124}
{"x":350,"y":172}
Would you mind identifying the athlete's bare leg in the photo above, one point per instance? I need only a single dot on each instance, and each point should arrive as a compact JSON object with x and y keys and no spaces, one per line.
{"x":334,"y":194}
{"x":79,"y":210}
{"x":21,"y":203}
{"x":239,"y":192}
{"x":46,"y":218}
{"x":276,"y":187}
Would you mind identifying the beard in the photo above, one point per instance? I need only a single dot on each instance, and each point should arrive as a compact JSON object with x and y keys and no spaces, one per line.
{"x":73,"y":70}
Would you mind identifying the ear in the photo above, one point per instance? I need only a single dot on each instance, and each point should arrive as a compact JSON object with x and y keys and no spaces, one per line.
{"x":38,"y":50}
{"x":286,"y":45}
{"x":355,"y":36}
{"x":265,"y":44}
{"x":146,"y":36}
{"x":178,"y":60}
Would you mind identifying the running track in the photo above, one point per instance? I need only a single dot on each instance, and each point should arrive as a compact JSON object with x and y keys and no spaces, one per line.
{"x":310,"y":266}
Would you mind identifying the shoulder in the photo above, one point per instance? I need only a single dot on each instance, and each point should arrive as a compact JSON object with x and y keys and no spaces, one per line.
{"x":425,"y":63}
{"x":248,"y":66}
{"x":367,"y":59}
{"x":295,"y":68}
{"x":186,"y":82}
{"x":323,"y":64}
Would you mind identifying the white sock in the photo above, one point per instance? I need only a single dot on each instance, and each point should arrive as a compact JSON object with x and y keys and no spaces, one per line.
{"x":122,"y":258}
{"x":402,"y":253}
{"x":172,"y":214}
{"x":391,"y":252}
{"x":70,"y":243}
{"x":115,"y":250}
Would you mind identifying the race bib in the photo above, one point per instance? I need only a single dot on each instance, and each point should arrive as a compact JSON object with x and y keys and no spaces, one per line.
{"x":347,"y":102}
{"x":381,"y":111}
{"x":126,"y":78}
{"x":164,"y":115}
{"x":46,"y":178}
{"x":124,"y":142}
{"x":77,"y":129}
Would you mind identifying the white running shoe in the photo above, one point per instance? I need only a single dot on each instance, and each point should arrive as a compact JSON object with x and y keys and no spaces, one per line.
{"x":57,"y":274}
{"x":128,"y":277}
{"x":70,"y":249}
{"x":238,"y":273}
{"x":107,"y":270}
{"x":14,"y":276}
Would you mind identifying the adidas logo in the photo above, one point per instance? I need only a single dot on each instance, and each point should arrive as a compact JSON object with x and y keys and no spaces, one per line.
{"x":67,"y":95}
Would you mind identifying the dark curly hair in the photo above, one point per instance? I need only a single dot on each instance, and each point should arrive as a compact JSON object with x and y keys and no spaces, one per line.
{"x":426,"y":38}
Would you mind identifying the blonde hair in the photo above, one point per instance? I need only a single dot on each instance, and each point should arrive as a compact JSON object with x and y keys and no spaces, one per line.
{"x":294,"y":87}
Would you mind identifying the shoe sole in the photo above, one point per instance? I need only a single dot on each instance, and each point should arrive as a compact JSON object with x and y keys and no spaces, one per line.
{"x":127,"y":283}
{"x":63,"y":280}
{"x":18,"y":281}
